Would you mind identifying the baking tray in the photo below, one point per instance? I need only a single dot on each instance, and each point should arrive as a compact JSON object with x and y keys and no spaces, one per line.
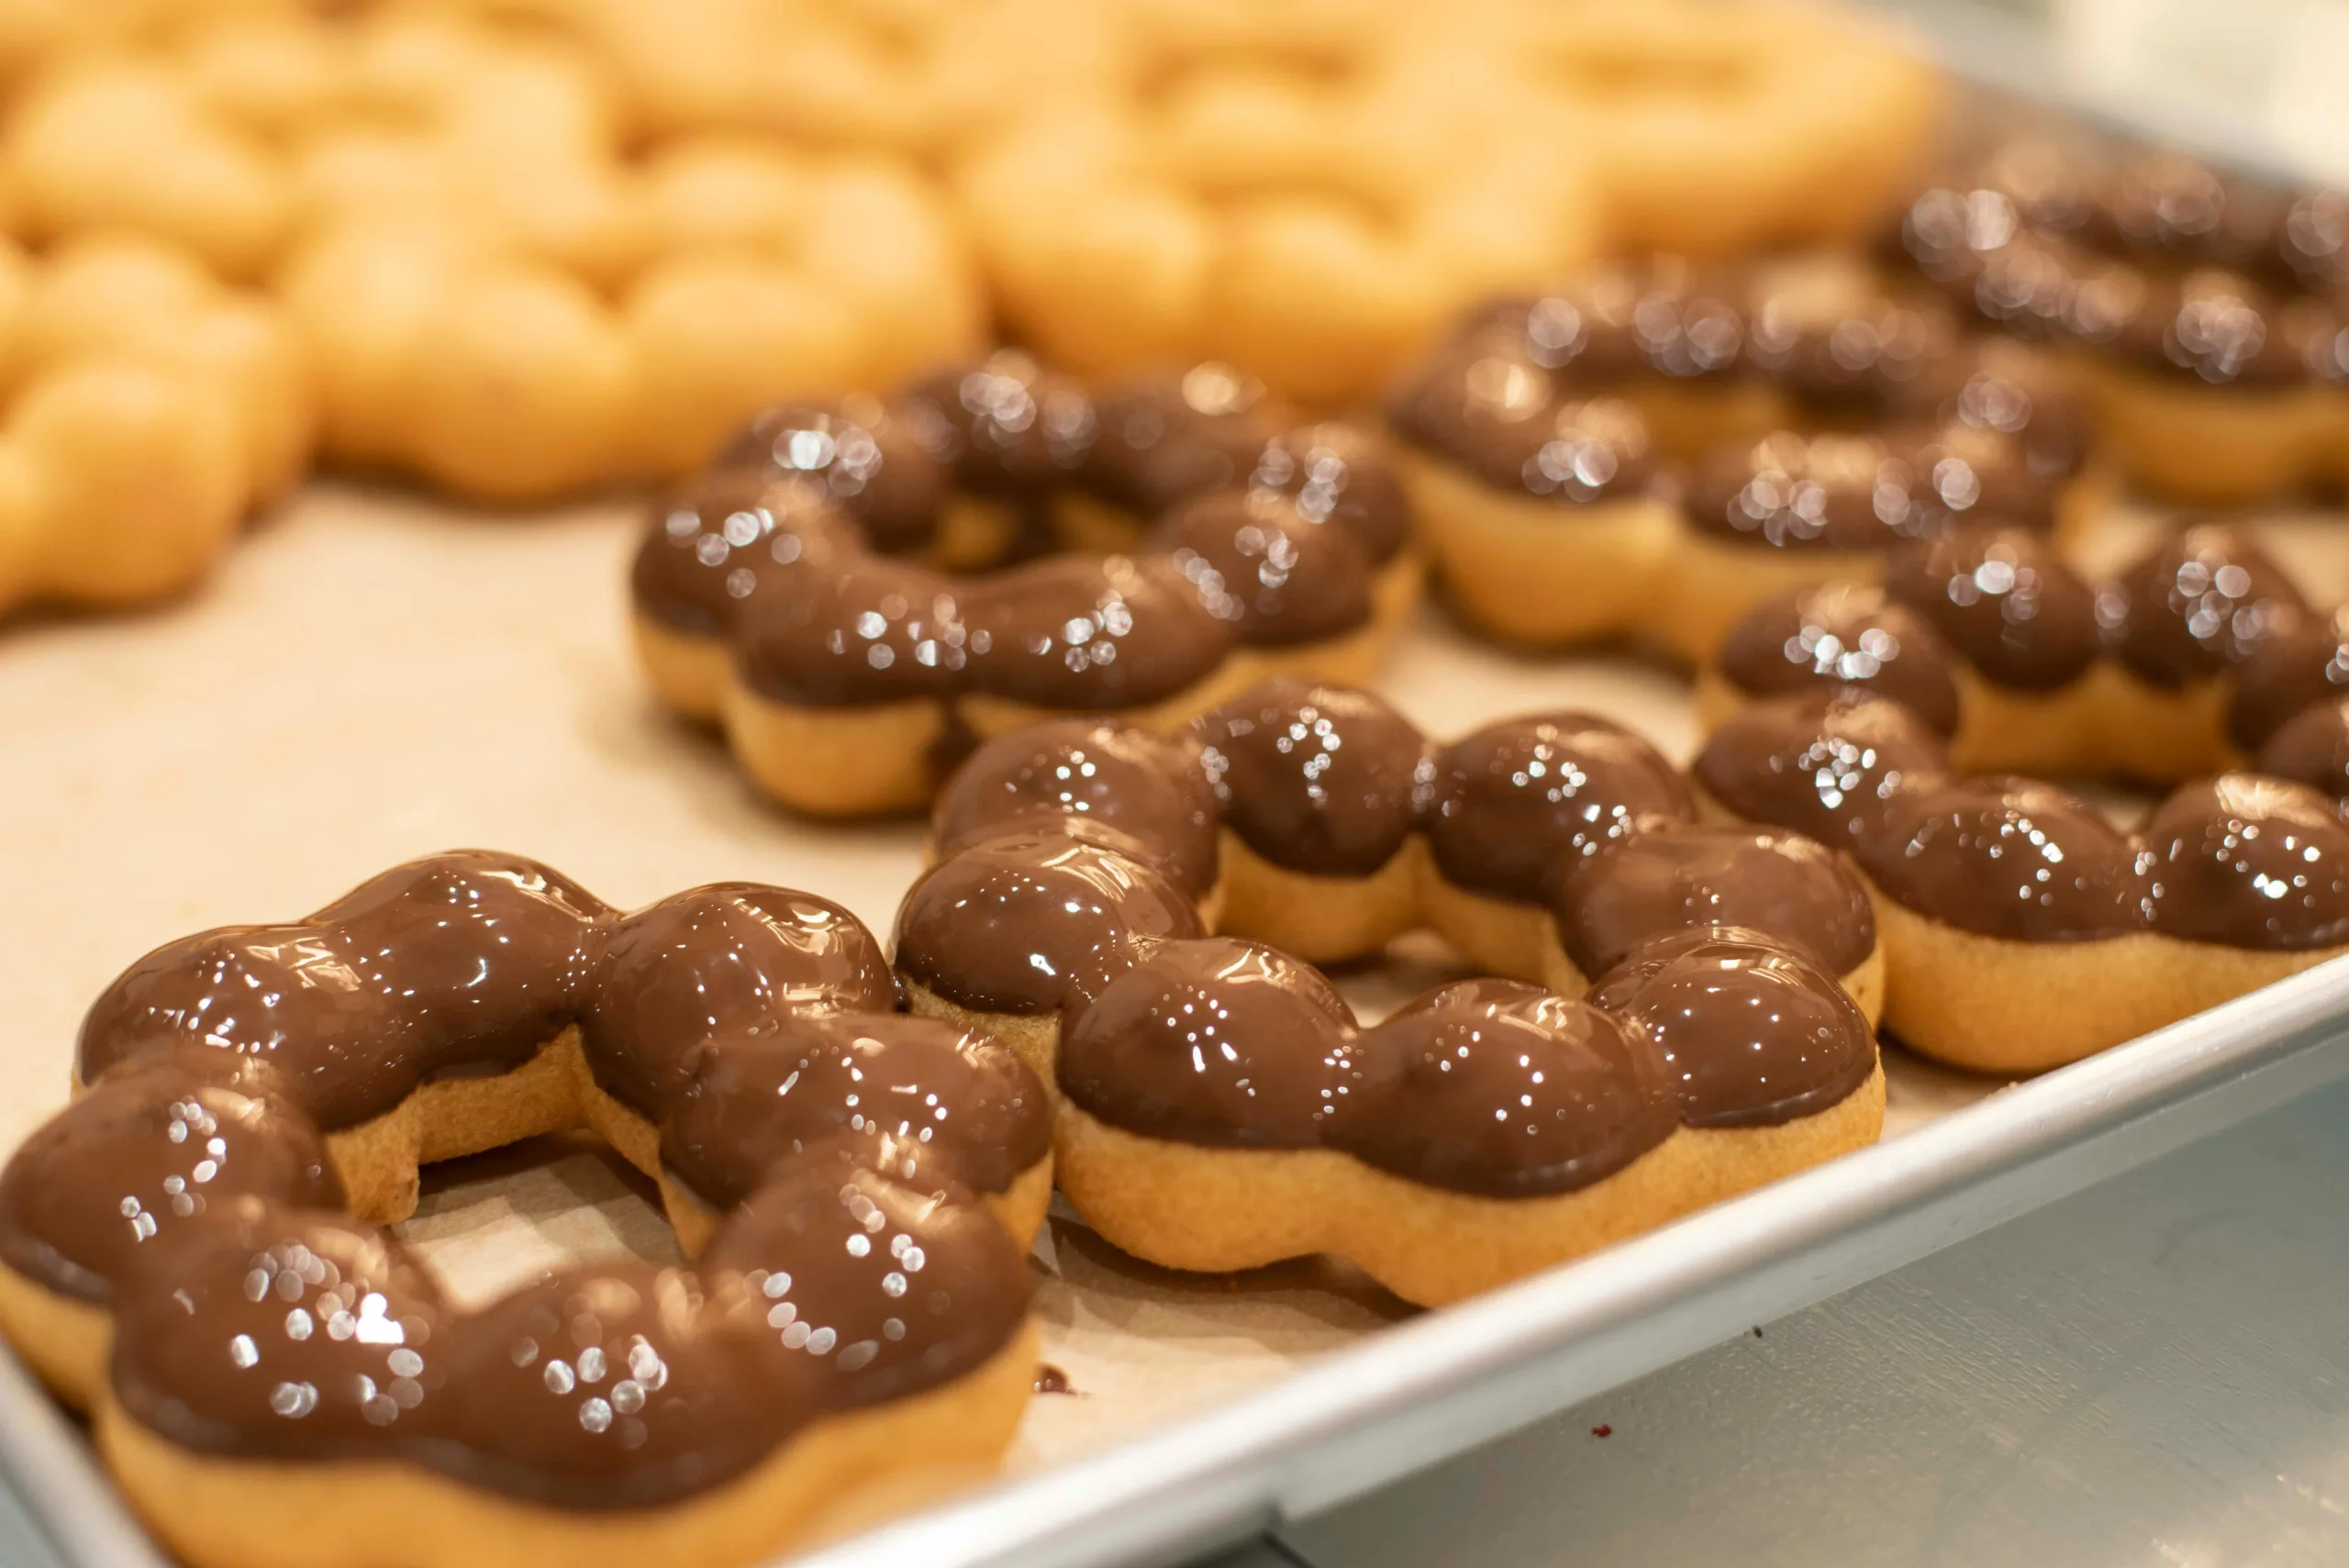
{"x":375,"y":677}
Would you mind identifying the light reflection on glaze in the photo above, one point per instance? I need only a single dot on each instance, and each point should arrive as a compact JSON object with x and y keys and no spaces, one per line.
{"x":1838,"y":637}
{"x":1822,"y":762}
{"x":1671,"y":879}
{"x":1321,"y":779}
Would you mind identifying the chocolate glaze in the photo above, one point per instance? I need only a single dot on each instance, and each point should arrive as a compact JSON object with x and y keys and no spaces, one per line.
{"x":889,"y":1287}
{"x":2010,"y":858}
{"x":457,"y":962}
{"x":1855,"y":493}
{"x":1320,"y":779}
{"x":2005,"y":601}
{"x":2301,"y":662}
{"x":859,"y":631}
{"x":1175,"y":437}
{"x":1842,"y":636}
{"x":1505,"y":1091}
{"x":1035,"y":918}
{"x":1256,"y":563}
{"x":154,"y":1149}
{"x":1514,"y":804}
{"x":729,"y":538}
{"x":1827,"y":333}
{"x":2203,"y":602}
{"x":725,"y":959}
{"x":1825,"y":763}
{"x":2213,"y":327}
{"x":2312,"y":749}
{"x":1217,"y":1042}
{"x":1751,"y":1032}
{"x":285,"y":1334}
{"x":2249,"y":862}
{"x":617,"y":1385}
{"x":866,"y":462}
{"x":1152,"y":790}
{"x":1654,"y":885}
{"x":1337,"y":473}
{"x":1007,"y":428}
{"x":881,"y":1081}
{"x":1066,"y":633}
{"x":1490,"y":407}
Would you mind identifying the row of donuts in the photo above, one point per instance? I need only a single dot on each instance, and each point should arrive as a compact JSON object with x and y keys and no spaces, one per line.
{"x":192,"y":1248}
{"x":1647,"y":449}
{"x":2204,"y":315}
{"x":1549,"y":848}
{"x":813,"y":587}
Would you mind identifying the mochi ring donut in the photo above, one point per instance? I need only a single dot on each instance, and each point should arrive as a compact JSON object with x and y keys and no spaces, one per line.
{"x":2022,"y":927}
{"x":1700,"y":1023}
{"x":192,"y":1251}
{"x":2204,"y":316}
{"x":1648,"y":450}
{"x":851,"y":590}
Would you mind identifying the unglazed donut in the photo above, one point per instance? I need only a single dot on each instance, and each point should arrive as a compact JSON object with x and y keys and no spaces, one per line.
{"x":2021,"y":929}
{"x":273,"y":1382}
{"x":2206,"y":317}
{"x":1648,"y":450}
{"x":799,"y":590}
{"x":1219,"y":1106}
{"x":149,"y":410}
{"x":499,"y":295}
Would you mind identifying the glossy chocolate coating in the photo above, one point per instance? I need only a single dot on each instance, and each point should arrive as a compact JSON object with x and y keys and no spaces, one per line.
{"x":720,"y":959}
{"x":2214,"y":328}
{"x":617,"y":1385}
{"x":1495,"y":413}
{"x":1751,"y":1032}
{"x":1505,"y":1091}
{"x":2009,"y":858}
{"x":1825,"y":331}
{"x":1278,"y":579}
{"x":459,"y":963}
{"x":2013,"y":395}
{"x":150,"y":1152}
{"x":1825,"y":763}
{"x":867,"y":462}
{"x":1839,"y":492}
{"x":2004,"y":600}
{"x":1842,"y":636}
{"x":1176,"y":437}
{"x":1324,"y":780}
{"x":2312,"y":749}
{"x":1031,"y":919}
{"x":1217,"y":1042}
{"x":2248,"y":862}
{"x":1005,"y":427}
{"x":861,"y":631}
{"x":1152,"y":790}
{"x":1338,"y":473}
{"x":1513,"y":804}
{"x":278,"y":1333}
{"x":1653,"y":885}
{"x":888,"y":1287}
{"x":727,"y":540}
{"x":1121,"y":631}
{"x":878,"y":1081}
{"x":2202,"y":603}
{"x":2303,"y":662}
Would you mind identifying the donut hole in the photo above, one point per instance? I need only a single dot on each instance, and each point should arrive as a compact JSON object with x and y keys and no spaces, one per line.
{"x":487,"y":1224}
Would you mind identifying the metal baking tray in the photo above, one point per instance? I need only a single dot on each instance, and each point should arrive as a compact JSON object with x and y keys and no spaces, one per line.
{"x":1396,"y":1398}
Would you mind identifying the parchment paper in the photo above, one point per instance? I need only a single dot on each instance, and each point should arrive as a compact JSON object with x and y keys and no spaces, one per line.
{"x":373,"y":677}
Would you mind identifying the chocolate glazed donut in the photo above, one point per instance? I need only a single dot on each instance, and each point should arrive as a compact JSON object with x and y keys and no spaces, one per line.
{"x":1221,"y":1106}
{"x":1648,"y":451}
{"x":189,"y":1249}
{"x":2021,"y":929}
{"x":856,"y":592}
{"x":2202,"y":315}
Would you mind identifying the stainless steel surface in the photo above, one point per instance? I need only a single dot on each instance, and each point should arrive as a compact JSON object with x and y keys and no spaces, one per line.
{"x":1446,"y":1383}
{"x":2150,"y":1372}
